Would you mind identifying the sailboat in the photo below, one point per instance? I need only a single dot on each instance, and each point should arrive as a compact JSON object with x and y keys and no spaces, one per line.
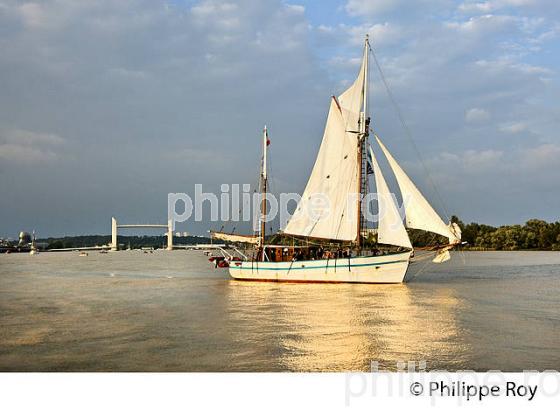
{"x":33,"y":250}
{"x":340,"y":174}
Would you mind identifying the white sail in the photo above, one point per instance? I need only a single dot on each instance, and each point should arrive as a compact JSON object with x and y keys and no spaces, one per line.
{"x":334,"y":179}
{"x":442,"y":256}
{"x":232,"y":237}
{"x":352,"y":100}
{"x":419,"y":213}
{"x":390,"y":230}
{"x":335,"y":175}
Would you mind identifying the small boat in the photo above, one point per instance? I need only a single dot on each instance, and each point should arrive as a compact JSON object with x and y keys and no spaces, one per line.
{"x":34,"y":250}
{"x":338,"y":233}
{"x":219,"y":261}
{"x":83,"y":253}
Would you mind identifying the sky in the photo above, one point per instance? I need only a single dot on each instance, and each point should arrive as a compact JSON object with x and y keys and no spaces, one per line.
{"x":106,"y":107}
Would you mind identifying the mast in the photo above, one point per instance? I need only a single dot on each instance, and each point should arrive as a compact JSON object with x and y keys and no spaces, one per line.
{"x":362,"y":138}
{"x":366,"y":69}
{"x":264,"y":179}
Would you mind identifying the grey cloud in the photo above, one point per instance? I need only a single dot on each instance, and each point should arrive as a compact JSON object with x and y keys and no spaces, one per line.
{"x":462,"y":81}
{"x":26,"y":148}
{"x":139,"y":87}
{"x":152,"y":97}
{"x":477,"y":115}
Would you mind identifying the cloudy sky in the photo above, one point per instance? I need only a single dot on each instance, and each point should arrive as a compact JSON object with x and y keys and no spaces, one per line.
{"x":106,"y":106}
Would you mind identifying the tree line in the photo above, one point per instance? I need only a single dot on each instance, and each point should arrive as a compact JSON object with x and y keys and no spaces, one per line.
{"x":535,"y":234}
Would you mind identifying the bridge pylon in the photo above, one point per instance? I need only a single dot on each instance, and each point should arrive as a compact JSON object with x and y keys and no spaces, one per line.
{"x":115,"y":230}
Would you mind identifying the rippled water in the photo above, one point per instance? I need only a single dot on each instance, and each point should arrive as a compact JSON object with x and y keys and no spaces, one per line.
{"x":172,"y":311}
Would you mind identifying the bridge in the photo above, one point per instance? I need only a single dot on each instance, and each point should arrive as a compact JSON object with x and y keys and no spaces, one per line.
{"x":115,"y":228}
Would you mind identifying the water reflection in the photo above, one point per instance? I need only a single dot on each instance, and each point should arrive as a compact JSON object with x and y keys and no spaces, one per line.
{"x":166,"y":311}
{"x":345,"y":327}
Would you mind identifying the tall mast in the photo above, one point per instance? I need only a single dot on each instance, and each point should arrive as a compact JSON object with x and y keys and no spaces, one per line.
{"x":366,"y":80}
{"x":264,"y":179}
{"x":364,"y":131}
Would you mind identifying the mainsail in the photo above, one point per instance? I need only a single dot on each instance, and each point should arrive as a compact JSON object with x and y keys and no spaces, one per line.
{"x":352,"y":101}
{"x":390,"y":230}
{"x":334,"y":182}
{"x":419,"y":213}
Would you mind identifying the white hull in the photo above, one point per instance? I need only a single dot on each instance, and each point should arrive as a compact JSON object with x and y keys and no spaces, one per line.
{"x":361,"y":269}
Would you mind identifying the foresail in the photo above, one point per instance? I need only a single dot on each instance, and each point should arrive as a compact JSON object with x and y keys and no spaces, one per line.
{"x":390,"y":230}
{"x":231,"y":237}
{"x":419,"y":213}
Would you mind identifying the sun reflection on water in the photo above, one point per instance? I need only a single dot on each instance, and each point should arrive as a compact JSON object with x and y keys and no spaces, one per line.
{"x":345,"y":327}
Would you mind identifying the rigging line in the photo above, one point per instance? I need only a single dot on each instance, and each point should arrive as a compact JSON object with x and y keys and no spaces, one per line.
{"x":423,"y":267}
{"x":272,"y":186}
{"x":408,"y":133}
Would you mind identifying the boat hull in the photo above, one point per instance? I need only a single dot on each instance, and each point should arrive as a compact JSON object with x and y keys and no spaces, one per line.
{"x":360,"y":269}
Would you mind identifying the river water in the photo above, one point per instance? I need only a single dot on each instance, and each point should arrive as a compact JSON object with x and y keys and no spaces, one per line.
{"x":172,"y":311}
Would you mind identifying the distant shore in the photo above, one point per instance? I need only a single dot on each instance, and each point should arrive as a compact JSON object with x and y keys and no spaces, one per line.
{"x":103,"y":242}
{"x":534,"y":235}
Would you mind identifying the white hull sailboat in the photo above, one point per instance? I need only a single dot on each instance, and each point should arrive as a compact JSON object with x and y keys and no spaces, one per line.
{"x":340,"y":175}
{"x":358,"y":269}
